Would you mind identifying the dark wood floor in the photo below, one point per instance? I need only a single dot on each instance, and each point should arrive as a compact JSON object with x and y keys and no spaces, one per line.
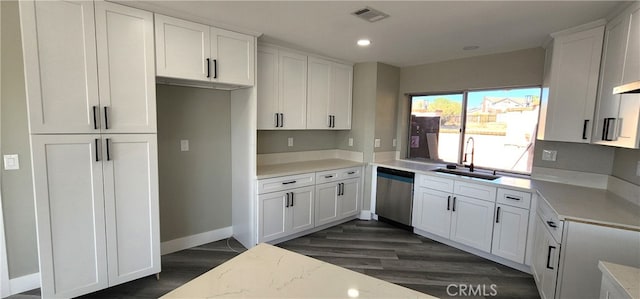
{"x":370,"y":247}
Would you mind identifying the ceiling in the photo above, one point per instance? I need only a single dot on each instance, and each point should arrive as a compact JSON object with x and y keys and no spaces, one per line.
{"x":417,"y":32}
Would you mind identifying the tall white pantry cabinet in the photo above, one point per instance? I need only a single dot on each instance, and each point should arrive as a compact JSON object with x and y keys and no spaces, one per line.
{"x":90,"y":79}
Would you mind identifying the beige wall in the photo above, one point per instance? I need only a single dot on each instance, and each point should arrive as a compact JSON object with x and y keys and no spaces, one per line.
{"x":388,"y":85}
{"x":576,"y":156}
{"x":17,"y":187}
{"x":276,"y":141}
{"x":195,"y":186}
{"x":625,"y":163}
{"x":511,"y":69}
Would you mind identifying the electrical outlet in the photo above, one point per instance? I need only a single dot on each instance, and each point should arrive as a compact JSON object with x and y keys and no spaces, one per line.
{"x":638,"y":169}
{"x":184,"y":145}
{"x":350,"y":141}
{"x":376,"y":143}
{"x":290,"y":141}
{"x":11,"y":162}
{"x":394,"y":142}
{"x":549,"y":155}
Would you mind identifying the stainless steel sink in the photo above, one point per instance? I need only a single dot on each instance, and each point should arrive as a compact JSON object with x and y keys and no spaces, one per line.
{"x":465,"y":172}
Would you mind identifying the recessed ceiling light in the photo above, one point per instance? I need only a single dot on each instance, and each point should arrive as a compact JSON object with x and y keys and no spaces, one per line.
{"x":364,"y":42}
{"x":469,"y":48}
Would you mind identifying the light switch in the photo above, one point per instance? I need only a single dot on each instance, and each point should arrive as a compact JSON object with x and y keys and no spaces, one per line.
{"x":11,"y":162}
{"x":638,"y":169}
{"x":376,"y":143}
{"x":184,"y":145}
{"x":549,"y":155}
{"x":350,"y":141}
{"x":394,"y":142}
{"x":290,"y":141}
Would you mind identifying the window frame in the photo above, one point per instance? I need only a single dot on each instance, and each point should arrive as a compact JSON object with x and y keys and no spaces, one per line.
{"x":463,"y":123}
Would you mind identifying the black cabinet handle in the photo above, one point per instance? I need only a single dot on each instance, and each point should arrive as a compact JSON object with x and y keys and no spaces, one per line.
{"x":281,"y":119}
{"x":286,"y":205}
{"x":95,"y":117}
{"x":292,"y":199}
{"x":276,"y":119}
{"x":512,"y":197}
{"x":448,"y":202}
{"x":454,"y":204}
{"x":97,"y":147}
{"x":498,"y":215}
{"x":584,"y":129}
{"x":208,"y":68}
{"x":215,"y":69}
{"x":552,"y":224}
{"x":329,"y":121}
{"x":608,"y":127}
{"x":290,"y":182}
{"x":342,"y":192}
{"x":549,"y":257}
{"x":351,"y":172}
{"x":108,"y":149}
{"x":106,"y":118}
{"x":328,"y":176}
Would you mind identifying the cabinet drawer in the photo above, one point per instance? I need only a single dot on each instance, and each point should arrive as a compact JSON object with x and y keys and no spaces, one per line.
{"x":286,"y":182}
{"x":348,"y":173}
{"x":514,"y":198}
{"x":476,"y":191}
{"x":328,"y":176}
{"x":550,"y":219}
{"x":436,"y":183}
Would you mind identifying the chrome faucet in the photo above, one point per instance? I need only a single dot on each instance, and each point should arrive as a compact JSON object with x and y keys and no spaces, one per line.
{"x":466,"y":150}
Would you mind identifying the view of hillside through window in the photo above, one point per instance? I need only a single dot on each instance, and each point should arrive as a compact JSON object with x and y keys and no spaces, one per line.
{"x":502,"y":123}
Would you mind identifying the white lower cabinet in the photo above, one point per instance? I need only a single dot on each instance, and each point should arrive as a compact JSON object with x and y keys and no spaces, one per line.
{"x":472,"y":222}
{"x":97,"y":210}
{"x":283,"y":211}
{"x":545,"y":260}
{"x":510,"y":233}
{"x":432,"y":211}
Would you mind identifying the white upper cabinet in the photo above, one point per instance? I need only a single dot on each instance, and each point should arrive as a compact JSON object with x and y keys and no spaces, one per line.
{"x":59,"y":42}
{"x":182,"y":49}
{"x":233,"y":57}
{"x":574,"y":68}
{"x":329,"y":95}
{"x":282,"y":90}
{"x":617,"y":115}
{"x":125,"y":69}
{"x":74,"y":87}
{"x":196,"y":52}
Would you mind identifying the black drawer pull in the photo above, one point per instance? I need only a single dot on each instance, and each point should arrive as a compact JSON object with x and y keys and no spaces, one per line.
{"x":454,"y":204}
{"x":498,"y":215}
{"x":549,"y":257}
{"x":552,"y":224}
{"x":95,"y":118}
{"x":287,"y":183}
{"x":328,"y":176}
{"x":351,"y":172}
{"x":448,"y":202}
{"x":286,"y":205}
{"x":512,"y":197}
{"x":584,"y":129}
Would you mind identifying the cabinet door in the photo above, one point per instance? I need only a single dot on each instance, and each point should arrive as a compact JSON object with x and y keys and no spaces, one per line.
{"x":131,"y":206}
{"x":340,"y":105}
{"x":182,"y":49}
{"x":68,"y":187}
{"x":632,"y":56}
{"x":272,"y":215}
{"x":126,"y":69}
{"x":574,"y":81}
{"x":472,"y":222}
{"x":60,"y":53}
{"x":232,"y":57}
{"x":510,"y":233}
{"x":318,"y":93}
{"x":293,"y":90}
{"x":301,"y":209}
{"x":629,"y":121}
{"x":350,"y":198}
{"x":610,"y":77}
{"x":267,"y":90}
{"x":327,"y":209}
{"x":545,"y":261}
{"x":432,"y":211}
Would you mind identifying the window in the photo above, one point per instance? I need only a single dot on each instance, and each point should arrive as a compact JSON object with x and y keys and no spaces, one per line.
{"x":499,"y":125}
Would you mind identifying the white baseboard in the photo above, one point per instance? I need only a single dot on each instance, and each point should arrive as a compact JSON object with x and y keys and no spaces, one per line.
{"x":24,"y":283}
{"x":365,"y":215}
{"x":624,"y":189}
{"x":584,"y":179}
{"x":195,"y":240}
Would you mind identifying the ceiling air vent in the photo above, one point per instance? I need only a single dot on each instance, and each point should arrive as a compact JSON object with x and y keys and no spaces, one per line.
{"x":370,"y":14}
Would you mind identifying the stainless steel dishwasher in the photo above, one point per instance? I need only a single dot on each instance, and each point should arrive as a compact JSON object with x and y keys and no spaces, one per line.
{"x":394,"y":195}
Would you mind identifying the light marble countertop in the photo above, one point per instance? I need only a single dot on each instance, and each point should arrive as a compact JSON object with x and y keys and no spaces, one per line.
{"x":266,"y":271}
{"x":628,"y":278}
{"x":285,"y":169}
{"x":595,"y":206}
